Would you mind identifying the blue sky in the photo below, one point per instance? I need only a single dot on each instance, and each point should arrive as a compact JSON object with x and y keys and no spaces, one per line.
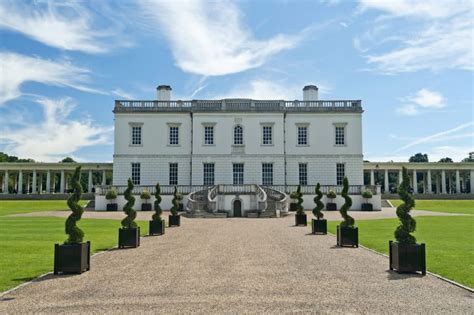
{"x":62,"y":65}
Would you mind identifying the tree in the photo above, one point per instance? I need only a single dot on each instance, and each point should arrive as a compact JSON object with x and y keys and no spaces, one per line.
{"x":68,"y":160}
{"x":319,"y":205}
{"x":129,"y":221}
{"x":75,"y":233}
{"x":470,"y":158}
{"x":176,"y":198}
{"x":348,"y":220}
{"x":157,"y":216}
{"x":446,"y":160}
{"x":13,"y":159}
{"x":299,"y":198}
{"x":407,"y":223}
{"x":419,"y":157}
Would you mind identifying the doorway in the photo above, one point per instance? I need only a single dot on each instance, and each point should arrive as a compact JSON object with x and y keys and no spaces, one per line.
{"x":237,"y":208}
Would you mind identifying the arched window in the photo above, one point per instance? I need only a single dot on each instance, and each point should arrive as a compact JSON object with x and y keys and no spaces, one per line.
{"x":238,"y":135}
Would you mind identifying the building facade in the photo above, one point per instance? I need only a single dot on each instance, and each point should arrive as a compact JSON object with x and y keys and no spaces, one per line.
{"x":238,"y":141}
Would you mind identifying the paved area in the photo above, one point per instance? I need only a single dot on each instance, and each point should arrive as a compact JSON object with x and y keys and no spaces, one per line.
{"x":237,"y":266}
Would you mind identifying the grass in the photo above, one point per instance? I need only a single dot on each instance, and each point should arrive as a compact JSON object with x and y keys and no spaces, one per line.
{"x":449,"y":249}
{"x":27,"y":244}
{"x":451,"y":206}
{"x":8,"y":207}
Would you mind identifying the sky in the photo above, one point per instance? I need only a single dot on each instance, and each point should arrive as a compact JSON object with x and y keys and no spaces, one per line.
{"x":63,"y":63}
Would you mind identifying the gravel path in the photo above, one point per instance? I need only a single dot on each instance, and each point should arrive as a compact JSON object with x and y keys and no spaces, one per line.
{"x":237,"y":266}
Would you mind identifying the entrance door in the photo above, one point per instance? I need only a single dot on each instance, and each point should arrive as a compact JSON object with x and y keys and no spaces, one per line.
{"x":237,"y":208}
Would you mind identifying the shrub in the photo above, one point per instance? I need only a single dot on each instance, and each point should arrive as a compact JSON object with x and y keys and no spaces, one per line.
{"x":367,"y":194}
{"x":75,"y":233}
{"x":348,"y":220}
{"x":298,"y":195}
{"x":111,"y":194}
{"x":145,"y":195}
{"x":293,"y":195}
{"x":331,"y":194}
{"x":129,"y":221}
{"x":176,"y":198}
{"x":407,"y":223}
{"x":319,"y":205}
{"x":158,"y":211}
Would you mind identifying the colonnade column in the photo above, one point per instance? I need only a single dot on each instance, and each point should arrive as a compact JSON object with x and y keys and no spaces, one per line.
{"x":415,"y":183}
{"x":48,"y":182}
{"x":429,"y":190}
{"x":61,"y":183}
{"x":400,"y":177}
{"x":89,"y":182}
{"x":443,"y":181}
{"x":458,"y":183}
{"x":386,"y":182}
{"x":6,"y":180}
{"x":20,"y":182}
{"x":103,"y":178}
{"x":34,"y":190}
{"x":372,"y":178}
{"x":472,"y":181}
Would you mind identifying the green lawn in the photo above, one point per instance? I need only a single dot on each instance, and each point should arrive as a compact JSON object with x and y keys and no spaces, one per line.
{"x":27,"y":244}
{"x":449,"y":243}
{"x":452,"y":206}
{"x":24,"y":206}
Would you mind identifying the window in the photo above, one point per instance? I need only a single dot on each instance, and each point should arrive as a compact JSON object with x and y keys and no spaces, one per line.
{"x":340,"y":173}
{"x":238,"y":135}
{"x":267,"y":135}
{"x":136,"y":135}
{"x":303,"y":174}
{"x":208,"y":134}
{"x":340,"y":139}
{"x":267,"y":174}
{"x":302,"y":135}
{"x":208,"y":174}
{"x":136,"y":173}
{"x":174,"y":135}
{"x":173,"y":176}
{"x":238,"y":173}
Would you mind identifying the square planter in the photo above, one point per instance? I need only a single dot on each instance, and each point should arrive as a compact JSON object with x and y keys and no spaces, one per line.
{"x":156,"y":227}
{"x":129,"y":237}
{"x":331,"y":206}
{"x":293,"y":206}
{"x":174,"y":220}
{"x":367,"y":207}
{"x":72,"y":258}
{"x":407,"y":257}
{"x":319,"y":226}
{"x":300,"y":219}
{"x":347,"y":236}
{"x":112,"y":207}
{"x":146,"y":206}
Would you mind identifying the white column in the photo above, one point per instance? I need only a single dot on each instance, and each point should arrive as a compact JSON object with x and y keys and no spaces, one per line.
{"x":428,"y":174}
{"x":40,"y":183}
{"x":20,"y":182}
{"x":415,"y":183}
{"x":400,"y":177}
{"x":443,"y":181}
{"x":61,"y":183}
{"x":48,"y":182}
{"x":386,"y":182}
{"x":6,"y":177}
{"x":472,"y":181}
{"x":437,"y":183}
{"x":34,"y":190}
{"x":458,"y":183}
{"x":89,"y":182}
{"x":372,"y":180}
{"x":450,"y":183}
{"x":103,"y":178}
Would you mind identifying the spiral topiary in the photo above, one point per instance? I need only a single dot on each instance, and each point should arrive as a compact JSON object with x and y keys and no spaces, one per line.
{"x":408,"y":224}
{"x":348,"y":220}
{"x":129,"y":221}
{"x":319,"y":205}
{"x":75,"y":233}
{"x":176,"y":198}
{"x":157,"y":216}
{"x":298,"y":195}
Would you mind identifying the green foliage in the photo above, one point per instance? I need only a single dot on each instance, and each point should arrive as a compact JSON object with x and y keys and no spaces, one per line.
{"x":111,"y":194}
{"x":407,"y":223}
{"x":129,"y":221}
{"x":446,"y":160}
{"x":75,"y":233}
{"x":348,"y":220}
{"x":331,"y":194}
{"x":176,"y":198}
{"x":145,"y":195}
{"x":419,"y":157}
{"x":13,"y":159}
{"x":319,"y":205}
{"x":157,"y":216}
{"x":293,"y":195}
{"x":367,"y":194}
{"x":68,"y":160}
{"x":299,"y":197}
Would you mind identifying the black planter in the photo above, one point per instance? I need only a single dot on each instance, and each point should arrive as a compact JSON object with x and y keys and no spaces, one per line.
{"x":347,"y":236}
{"x":367,"y":207}
{"x":319,"y":226}
{"x":112,"y":207}
{"x":156,"y":227}
{"x":300,"y":219}
{"x":146,"y":206}
{"x":293,"y":206}
{"x":129,"y":237}
{"x":331,"y":206}
{"x":174,"y":220}
{"x":407,"y":257}
{"x":72,"y":258}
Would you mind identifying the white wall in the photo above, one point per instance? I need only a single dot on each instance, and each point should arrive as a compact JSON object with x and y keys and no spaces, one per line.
{"x":101,"y":202}
{"x":357,"y":202}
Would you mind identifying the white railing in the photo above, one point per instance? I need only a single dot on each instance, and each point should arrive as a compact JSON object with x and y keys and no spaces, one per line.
{"x":310,"y":189}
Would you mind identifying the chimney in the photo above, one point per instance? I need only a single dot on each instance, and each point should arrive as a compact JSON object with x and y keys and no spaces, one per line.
{"x":310,"y":93}
{"x":163,"y":92}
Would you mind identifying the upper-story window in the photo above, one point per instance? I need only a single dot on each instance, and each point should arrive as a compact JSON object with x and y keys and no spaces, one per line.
{"x":267,"y":174}
{"x":238,"y":135}
{"x":340,"y":134}
{"x":173,"y":135}
{"x":209,"y":135}
{"x":136,"y":173}
{"x":238,"y":173}
{"x":208,"y":174}
{"x":267,"y":135}
{"x":135,"y":134}
{"x":302,"y":135}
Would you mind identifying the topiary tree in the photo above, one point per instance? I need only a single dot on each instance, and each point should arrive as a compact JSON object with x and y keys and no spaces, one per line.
{"x":145,"y":195}
{"x":158,"y":210}
{"x":331,"y":194}
{"x":176,"y":198}
{"x":111,"y":194}
{"x":348,"y":220}
{"x":366,"y":194}
{"x":129,"y":221}
{"x":298,"y":197}
{"x":408,"y":224}
{"x":75,"y":233}
{"x":319,"y":205}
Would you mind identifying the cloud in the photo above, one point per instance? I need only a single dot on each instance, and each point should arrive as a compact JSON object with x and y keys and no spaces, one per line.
{"x":423,"y":99}
{"x":208,"y":38}
{"x":122,"y":94}
{"x":56,"y":136}
{"x":67,"y":25}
